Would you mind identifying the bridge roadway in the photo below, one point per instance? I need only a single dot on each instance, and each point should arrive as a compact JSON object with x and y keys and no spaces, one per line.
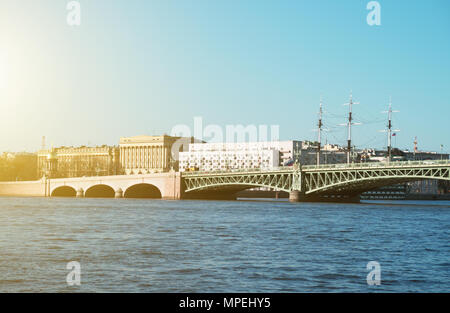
{"x":335,"y":182}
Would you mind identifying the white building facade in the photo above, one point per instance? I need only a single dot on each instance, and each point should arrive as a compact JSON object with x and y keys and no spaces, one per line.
{"x":237,"y":155}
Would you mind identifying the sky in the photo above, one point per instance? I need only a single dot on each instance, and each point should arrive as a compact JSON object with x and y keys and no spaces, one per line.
{"x":142,"y":67}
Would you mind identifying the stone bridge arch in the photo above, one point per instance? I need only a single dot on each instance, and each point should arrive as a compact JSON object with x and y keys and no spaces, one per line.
{"x":99,"y":191}
{"x":64,"y":191}
{"x":142,"y":191}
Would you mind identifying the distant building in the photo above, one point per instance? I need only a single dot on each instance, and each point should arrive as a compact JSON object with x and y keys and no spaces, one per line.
{"x":309,"y":156}
{"x":78,"y":161}
{"x":150,"y":154}
{"x":403,"y":155}
{"x":425,"y":155}
{"x":332,"y":147}
{"x":240,"y":155}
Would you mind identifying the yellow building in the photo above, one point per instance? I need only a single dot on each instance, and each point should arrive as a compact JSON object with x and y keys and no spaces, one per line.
{"x":150,"y":154}
{"x":79,"y":161}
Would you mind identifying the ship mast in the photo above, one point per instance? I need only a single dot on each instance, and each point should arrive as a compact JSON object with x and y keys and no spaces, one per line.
{"x":389,"y":129}
{"x":319,"y":130}
{"x":349,"y":126}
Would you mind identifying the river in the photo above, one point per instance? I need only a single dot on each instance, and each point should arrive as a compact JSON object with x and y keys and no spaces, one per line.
{"x":126,"y":245}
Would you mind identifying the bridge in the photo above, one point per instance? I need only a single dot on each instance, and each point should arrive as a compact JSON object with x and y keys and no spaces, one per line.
{"x":303,"y":183}
{"x":158,"y":186}
{"x":311,"y":182}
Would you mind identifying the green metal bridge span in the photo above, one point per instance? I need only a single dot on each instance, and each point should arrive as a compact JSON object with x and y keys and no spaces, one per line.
{"x":331,"y":181}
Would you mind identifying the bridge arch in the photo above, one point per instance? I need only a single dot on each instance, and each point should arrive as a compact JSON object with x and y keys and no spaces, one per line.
{"x":360,"y":185}
{"x":64,"y":191}
{"x":143,"y":190}
{"x":233,"y":186}
{"x":99,"y":191}
{"x":222,"y":191}
{"x":276,"y":180}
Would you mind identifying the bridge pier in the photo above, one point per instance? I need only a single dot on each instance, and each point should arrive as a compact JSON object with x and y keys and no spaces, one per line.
{"x":118,"y":193}
{"x":296,"y":196}
{"x":80,"y":193}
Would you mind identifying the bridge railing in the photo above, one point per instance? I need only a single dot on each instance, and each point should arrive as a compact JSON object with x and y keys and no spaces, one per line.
{"x":394,"y":164}
{"x":243,"y":170}
{"x":378,"y":164}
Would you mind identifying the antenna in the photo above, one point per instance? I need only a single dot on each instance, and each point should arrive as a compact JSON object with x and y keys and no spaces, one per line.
{"x":43,"y":143}
{"x":349,"y":125}
{"x":389,"y":129}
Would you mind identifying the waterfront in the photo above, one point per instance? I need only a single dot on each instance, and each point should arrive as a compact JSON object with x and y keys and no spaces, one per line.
{"x":126,"y":245}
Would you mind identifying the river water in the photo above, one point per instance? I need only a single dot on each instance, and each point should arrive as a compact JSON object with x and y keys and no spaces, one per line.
{"x":125,"y":245}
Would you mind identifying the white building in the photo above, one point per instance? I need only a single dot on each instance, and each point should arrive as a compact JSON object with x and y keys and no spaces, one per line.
{"x":232,"y":155}
{"x":226,"y":160}
{"x":332,"y":147}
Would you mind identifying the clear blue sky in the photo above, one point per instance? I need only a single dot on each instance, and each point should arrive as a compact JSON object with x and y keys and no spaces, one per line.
{"x":141,"y":67}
